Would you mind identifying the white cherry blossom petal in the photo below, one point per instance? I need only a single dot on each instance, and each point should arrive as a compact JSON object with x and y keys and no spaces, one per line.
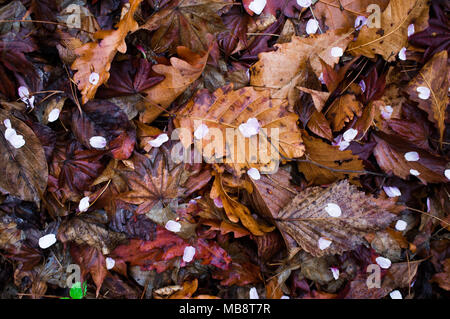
{"x":324,"y":243}
{"x":335,"y":272}
{"x":201,"y":131}
{"x":447,"y":173}
{"x":158,"y":141}
{"x":333,"y":210}
{"x":395,"y":294}
{"x":53,"y":115}
{"x":173,"y":226}
{"x":359,"y":22}
{"x":312,"y":26}
{"x":411,"y":30}
{"x":257,"y":6}
{"x":412,"y":156}
{"x":392,"y":191}
{"x":188,"y":254}
{"x":386,"y":112}
{"x":400,"y":225}
{"x":337,"y":52}
{"x":402,"y":54}
{"x":254,"y":173}
{"x":47,"y":241}
{"x":110,"y":263}
{"x":304,"y":3}
{"x":253,"y":293}
{"x":7,"y":123}
{"x":93,"y":78}
{"x":84,"y":204}
{"x":414,"y":172}
{"x":424,"y":92}
{"x":349,"y":135}
{"x":383,"y":262}
{"x":98,"y":142}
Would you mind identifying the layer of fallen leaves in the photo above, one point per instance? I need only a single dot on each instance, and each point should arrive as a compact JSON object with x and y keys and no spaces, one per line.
{"x":111,"y":114}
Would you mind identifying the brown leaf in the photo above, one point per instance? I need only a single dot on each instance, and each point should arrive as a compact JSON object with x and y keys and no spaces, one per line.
{"x":181,"y":73}
{"x":390,"y":154}
{"x":97,"y":56}
{"x":225,"y":109}
{"x":158,"y":179}
{"x":393,"y":34}
{"x":306,"y":221}
{"x":443,"y":278}
{"x":24,"y":170}
{"x":282,"y":70}
{"x":342,"y":110}
{"x":87,"y":231}
{"x":329,"y":156}
{"x":433,"y":76}
{"x":235,"y":210}
{"x":186,"y":23}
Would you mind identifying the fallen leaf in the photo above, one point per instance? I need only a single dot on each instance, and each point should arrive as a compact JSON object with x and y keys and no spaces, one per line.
{"x":433,"y":76}
{"x":24,"y":169}
{"x":96,"y":57}
{"x":307,"y":221}
{"x":342,"y":110}
{"x":393,"y":34}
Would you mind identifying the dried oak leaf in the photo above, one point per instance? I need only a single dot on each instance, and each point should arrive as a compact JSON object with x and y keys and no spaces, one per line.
{"x":225,"y":109}
{"x":342,"y":110}
{"x":282,"y":70}
{"x":329,"y":156}
{"x":393,"y":34}
{"x":433,"y":76}
{"x":91,"y":260}
{"x":87,"y":231}
{"x":97,"y":56}
{"x":390,"y":155}
{"x":181,"y":73}
{"x":24,"y":169}
{"x":156,"y":178}
{"x":305,"y":222}
{"x":186,"y":23}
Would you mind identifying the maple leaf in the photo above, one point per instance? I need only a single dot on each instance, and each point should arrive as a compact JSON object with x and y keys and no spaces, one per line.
{"x":329,"y":156}
{"x":390,"y":153}
{"x":129,"y":77}
{"x":181,"y":73}
{"x":75,"y":168}
{"x":433,"y":77}
{"x":393,"y":34}
{"x":96,"y":57}
{"x":283,"y":69}
{"x":225,"y":109}
{"x":306,"y":222}
{"x":186,"y":23}
{"x":24,"y":166}
{"x":157,"y":179}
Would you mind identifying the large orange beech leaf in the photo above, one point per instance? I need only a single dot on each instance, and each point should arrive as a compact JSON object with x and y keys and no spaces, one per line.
{"x":284,"y":68}
{"x":393,"y":34}
{"x":96,"y":57}
{"x":225,"y":112}
{"x":181,"y":73}
{"x":333,"y":220}
{"x":433,"y":77}
{"x":390,"y":154}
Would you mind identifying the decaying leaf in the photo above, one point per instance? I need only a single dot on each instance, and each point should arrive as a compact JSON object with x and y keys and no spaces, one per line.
{"x":342,"y":110}
{"x":308,"y":223}
{"x":433,"y":77}
{"x":23,"y":166}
